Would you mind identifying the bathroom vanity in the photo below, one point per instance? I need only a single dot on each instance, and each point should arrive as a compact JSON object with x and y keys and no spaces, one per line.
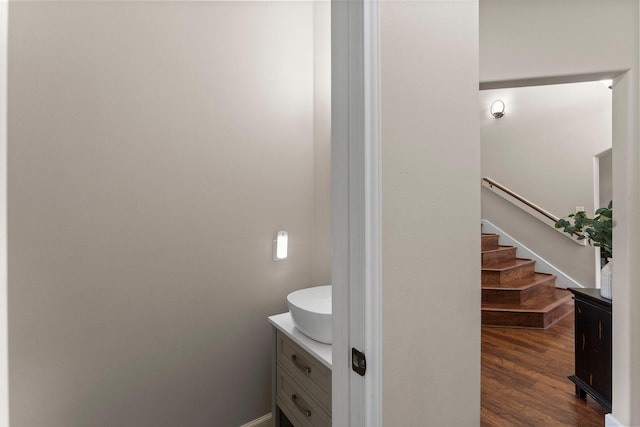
{"x":301,"y":386}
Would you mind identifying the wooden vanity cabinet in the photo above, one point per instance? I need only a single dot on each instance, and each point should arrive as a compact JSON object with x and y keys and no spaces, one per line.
{"x":301,"y":377}
{"x":593,"y":338}
{"x":303,"y":385}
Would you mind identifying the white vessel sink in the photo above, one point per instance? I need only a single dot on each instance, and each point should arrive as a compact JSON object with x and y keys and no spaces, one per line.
{"x":311,"y":312}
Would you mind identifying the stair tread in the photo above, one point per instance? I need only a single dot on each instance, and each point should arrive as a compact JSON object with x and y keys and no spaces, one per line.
{"x":525,"y":283}
{"x":509,"y":265}
{"x":539,"y":304}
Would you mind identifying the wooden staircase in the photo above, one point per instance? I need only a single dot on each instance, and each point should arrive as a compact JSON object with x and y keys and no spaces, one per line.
{"x":514,"y":294}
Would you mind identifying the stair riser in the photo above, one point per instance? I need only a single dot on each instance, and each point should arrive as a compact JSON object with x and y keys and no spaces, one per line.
{"x":558,"y":313}
{"x":516,"y":296}
{"x":527,"y":320}
{"x":519,"y":320}
{"x":489,"y":242}
{"x":509,"y":296}
{"x":494,"y":258}
{"x":521,"y":272}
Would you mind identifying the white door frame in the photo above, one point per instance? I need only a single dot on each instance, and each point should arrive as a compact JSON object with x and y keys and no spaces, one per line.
{"x":356,"y":270}
{"x":626,"y":233}
{"x":4,"y":328}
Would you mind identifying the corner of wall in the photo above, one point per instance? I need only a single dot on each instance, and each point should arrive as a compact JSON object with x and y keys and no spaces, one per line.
{"x":4,"y":335}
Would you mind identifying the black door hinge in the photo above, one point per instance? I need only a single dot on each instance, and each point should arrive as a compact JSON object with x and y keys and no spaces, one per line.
{"x":358,"y":362}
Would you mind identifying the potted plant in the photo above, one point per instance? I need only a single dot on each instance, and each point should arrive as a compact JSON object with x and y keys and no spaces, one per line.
{"x":598,"y":232}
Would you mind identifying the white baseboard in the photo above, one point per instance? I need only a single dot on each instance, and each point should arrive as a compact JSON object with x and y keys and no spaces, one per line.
{"x":263,"y":421}
{"x":610,"y":421}
{"x":542,"y":266}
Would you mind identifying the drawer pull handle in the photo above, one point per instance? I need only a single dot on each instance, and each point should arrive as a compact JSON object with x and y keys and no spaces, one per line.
{"x":305,"y":369}
{"x":305,"y":411}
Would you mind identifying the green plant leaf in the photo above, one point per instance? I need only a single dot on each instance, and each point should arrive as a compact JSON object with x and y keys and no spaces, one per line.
{"x":597,"y":231}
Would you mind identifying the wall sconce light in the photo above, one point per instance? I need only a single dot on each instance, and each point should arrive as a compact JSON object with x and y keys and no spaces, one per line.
{"x":281,"y":246}
{"x":497,"y":108}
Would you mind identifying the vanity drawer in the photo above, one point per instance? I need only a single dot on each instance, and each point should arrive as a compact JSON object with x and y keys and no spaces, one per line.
{"x":305,"y":369}
{"x":297,"y":404}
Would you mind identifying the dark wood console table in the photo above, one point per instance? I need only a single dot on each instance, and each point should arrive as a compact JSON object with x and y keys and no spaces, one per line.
{"x":593,"y":346}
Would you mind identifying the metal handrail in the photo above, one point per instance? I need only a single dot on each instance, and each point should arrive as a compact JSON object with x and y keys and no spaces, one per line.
{"x":521,"y":199}
{"x":491,"y":183}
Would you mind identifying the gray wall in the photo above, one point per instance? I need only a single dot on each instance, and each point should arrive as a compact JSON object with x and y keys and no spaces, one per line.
{"x":4,"y":327}
{"x":543,"y":149}
{"x":155,"y":148}
{"x":321,"y":259}
{"x":430,"y":213}
{"x":551,"y":38}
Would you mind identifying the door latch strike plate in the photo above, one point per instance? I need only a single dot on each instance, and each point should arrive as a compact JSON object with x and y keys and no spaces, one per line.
{"x":358,"y":362}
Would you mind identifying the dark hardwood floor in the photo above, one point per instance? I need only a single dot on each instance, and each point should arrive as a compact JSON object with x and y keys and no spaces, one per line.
{"x":524,"y":379}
